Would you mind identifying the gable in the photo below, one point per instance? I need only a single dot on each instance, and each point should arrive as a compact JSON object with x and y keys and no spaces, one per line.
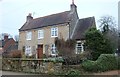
{"x":8,"y":43}
{"x":82,"y":26}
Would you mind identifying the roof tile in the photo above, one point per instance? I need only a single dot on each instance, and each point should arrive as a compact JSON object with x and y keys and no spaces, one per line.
{"x":83,"y":25}
{"x":49,"y":20}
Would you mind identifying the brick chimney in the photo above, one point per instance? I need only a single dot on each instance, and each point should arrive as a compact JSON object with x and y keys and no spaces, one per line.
{"x":5,"y":37}
{"x":29,"y":17}
{"x":74,"y":18}
{"x":73,"y":7}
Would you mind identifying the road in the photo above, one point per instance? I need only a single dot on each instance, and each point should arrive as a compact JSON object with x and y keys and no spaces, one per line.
{"x":18,"y":74}
{"x":114,"y":72}
{"x":13,"y":73}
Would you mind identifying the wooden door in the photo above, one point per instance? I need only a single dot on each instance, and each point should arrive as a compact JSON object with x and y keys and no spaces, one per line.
{"x":40,"y":51}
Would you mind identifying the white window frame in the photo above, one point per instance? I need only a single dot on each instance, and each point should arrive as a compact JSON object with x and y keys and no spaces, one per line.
{"x":54,"y":32}
{"x":28,"y":35}
{"x":53,"y":50}
{"x":81,"y":47}
{"x":28,"y":51}
{"x":40,"y":34}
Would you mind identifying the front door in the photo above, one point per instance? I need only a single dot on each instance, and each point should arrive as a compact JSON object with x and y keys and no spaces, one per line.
{"x":40,"y":51}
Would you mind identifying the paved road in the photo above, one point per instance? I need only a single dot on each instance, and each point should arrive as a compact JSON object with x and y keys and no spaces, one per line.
{"x":114,"y":72}
{"x":13,"y":73}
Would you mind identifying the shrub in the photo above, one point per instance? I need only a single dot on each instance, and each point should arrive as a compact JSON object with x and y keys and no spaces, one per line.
{"x":104,"y":63}
{"x":73,"y":73}
{"x":89,"y":65}
{"x":95,"y":37}
{"x":65,"y":47}
{"x":118,"y":62}
{"x":107,"y":62}
{"x":72,"y":60}
{"x":57,"y":59}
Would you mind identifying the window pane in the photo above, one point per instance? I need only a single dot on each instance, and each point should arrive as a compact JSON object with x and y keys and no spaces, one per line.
{"x":40,"y":34}
{"x":53,"y":49}
{"x":28,"y":51}
{"x":28,"y":35}
{"x":79,"y":48}
{"x":54,"y":32}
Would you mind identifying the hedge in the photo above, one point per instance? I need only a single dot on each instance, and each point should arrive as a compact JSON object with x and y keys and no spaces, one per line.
{"x":104,"y":63}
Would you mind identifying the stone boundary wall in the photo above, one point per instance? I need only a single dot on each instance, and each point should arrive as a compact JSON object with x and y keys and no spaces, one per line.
{"x":31,"y":65}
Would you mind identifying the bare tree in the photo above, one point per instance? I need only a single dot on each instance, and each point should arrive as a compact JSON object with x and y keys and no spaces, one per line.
{"x":109,"y":29}
{"x":65,"y":48}
{"x":107,"y":23}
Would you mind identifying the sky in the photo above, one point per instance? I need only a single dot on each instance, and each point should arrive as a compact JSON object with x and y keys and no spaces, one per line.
{"x":13,"y":12}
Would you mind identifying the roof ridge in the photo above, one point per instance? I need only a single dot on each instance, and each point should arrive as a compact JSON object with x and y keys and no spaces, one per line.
{"x":51,"y":15}
{"x":86,"y":18}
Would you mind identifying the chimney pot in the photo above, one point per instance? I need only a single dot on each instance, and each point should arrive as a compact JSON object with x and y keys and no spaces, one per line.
{"x":29,"y":17}
{"x":73,"y":7}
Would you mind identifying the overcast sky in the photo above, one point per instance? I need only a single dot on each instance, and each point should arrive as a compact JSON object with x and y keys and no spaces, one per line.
{"x":13,"y":12}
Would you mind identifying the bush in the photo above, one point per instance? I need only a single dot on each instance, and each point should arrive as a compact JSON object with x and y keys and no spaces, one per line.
{"x":89,"y":65}
{"x":104,"y":63}
{"x":73,"y":73}
{"x":57,"y":59}
{"x":107,"y":62}
{"x":118,"y":59}
{"x":72,"y":61}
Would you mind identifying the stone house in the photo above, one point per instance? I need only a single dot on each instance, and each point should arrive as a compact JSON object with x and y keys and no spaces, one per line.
{"x":37,"y":36}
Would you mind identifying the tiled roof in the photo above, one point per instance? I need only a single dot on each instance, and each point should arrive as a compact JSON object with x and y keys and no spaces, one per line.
{"x":49,"y":20}
{"x":8,"y":45}
{"x":83,"y":25}
{"x":2,"y":42}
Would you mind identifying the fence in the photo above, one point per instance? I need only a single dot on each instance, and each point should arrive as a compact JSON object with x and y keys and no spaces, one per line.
{"x":31,"y":65}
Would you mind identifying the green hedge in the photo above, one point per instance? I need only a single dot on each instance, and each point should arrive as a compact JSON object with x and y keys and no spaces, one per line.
{"x":89,"y":65}
{"x":73,"y":73}
{"x":104,"y":63}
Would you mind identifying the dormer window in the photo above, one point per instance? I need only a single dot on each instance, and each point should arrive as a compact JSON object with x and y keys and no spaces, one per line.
{"x":54,"y":32}
{"x":28,"y":35}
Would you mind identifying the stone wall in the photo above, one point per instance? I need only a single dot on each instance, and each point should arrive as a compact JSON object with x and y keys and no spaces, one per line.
{"x":35,"y":66}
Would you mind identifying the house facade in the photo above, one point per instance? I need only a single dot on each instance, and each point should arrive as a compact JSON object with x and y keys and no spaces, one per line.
{"x":37,"y":36}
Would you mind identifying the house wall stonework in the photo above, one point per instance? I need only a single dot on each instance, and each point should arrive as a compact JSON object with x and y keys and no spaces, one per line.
{"x":63,"y":32}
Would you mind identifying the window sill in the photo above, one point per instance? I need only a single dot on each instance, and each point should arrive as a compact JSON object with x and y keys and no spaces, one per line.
{"x":53,"y":36}
{"x":28,"y":39}
{"x":40,"y":38}
{"x":53,"y":54}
